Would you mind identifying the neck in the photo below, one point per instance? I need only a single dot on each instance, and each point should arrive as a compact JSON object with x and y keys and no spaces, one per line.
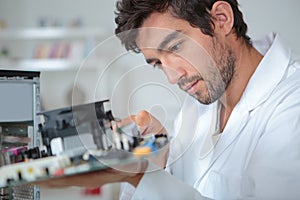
{"x":247,"y":60}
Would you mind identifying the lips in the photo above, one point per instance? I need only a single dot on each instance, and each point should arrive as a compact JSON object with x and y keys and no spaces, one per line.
{"x":190,"y":87}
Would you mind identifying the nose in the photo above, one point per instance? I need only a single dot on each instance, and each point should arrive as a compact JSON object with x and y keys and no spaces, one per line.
{"x":173,"y":71}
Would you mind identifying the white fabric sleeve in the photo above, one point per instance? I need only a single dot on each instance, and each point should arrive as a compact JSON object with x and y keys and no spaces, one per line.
{"x":127,"y":191}
{"x":159,"y":185}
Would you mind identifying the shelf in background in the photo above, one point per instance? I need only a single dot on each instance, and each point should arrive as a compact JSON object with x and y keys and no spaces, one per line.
{"x":53,"y":33}
{"x":47,"y":64}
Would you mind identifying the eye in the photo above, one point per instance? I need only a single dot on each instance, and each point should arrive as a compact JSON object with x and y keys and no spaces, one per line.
{"x":154,"y":62}
{"x":176,"y":47}
{"x":157,"y":64}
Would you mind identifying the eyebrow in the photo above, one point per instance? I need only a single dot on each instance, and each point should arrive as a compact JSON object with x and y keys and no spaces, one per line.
{"x":168,"y":39}
{"x":164,"y":43}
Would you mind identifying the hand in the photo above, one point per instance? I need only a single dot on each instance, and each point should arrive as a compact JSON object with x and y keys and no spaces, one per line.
{"x":131,"y":173}
{"x":146,"y":123}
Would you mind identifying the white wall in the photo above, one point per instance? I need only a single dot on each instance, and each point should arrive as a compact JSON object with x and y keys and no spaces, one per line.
{"x":26,"y":13}
{"x":279,"y":16}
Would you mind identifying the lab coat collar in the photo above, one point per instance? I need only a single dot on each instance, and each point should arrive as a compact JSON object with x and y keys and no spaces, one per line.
{"x":269,"y":72}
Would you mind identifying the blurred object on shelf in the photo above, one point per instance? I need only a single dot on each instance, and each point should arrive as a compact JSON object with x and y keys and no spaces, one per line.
{"x":4,"y":52}
{"x":47,"y":21}
{"x":76,"y":22}
{"x":2,"y":24}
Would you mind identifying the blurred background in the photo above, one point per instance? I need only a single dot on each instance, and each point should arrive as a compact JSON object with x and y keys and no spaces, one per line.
{"x":72,"y":44}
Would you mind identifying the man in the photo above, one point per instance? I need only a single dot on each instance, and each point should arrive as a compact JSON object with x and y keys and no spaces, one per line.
{"x":238,"y":133}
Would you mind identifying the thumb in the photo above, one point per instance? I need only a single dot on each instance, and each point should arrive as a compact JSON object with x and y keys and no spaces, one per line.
{"x":147,"y":123}
{"x":142,"y":119}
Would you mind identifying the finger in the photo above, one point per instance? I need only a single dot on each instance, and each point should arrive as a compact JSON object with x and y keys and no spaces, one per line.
{"x":143,"y":118}
{"x":143,"y":121}
{"x":148,"y":123}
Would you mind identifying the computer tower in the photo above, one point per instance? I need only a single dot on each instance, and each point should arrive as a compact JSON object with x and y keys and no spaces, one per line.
{"x":19,"y":105}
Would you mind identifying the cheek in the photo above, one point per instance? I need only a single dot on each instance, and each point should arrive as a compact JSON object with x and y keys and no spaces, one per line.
{"x":197,"y":59}
{"x":181,"y":63}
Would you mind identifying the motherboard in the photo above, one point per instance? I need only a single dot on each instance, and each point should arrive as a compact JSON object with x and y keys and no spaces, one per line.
{"x":75,"y":139}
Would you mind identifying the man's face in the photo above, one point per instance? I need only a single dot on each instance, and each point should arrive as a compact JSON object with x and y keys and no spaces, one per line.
{"x":200,"y":64}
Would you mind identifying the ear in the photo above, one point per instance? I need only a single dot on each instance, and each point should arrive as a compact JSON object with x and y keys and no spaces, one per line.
{"x":222,"y":16}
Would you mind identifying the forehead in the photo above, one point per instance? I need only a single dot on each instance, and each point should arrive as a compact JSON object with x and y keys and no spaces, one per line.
{"x":156,"y":27}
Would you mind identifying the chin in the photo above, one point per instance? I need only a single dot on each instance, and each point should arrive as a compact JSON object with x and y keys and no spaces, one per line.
{"x":202,"y":100}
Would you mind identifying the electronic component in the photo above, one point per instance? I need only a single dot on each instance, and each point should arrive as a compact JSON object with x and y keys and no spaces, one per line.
{"x":76,"y":139}
{"x":19,"y":105}
{"x":150,"y":144}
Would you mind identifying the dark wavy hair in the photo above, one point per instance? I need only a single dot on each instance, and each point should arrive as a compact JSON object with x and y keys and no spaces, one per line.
{"x":130,"y":15}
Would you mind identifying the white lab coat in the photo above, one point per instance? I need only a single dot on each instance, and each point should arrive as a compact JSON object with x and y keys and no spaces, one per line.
{"x":257,"y":156}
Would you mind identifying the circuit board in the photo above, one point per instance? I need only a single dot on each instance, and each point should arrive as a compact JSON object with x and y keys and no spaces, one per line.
{"x":74,"y":140}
